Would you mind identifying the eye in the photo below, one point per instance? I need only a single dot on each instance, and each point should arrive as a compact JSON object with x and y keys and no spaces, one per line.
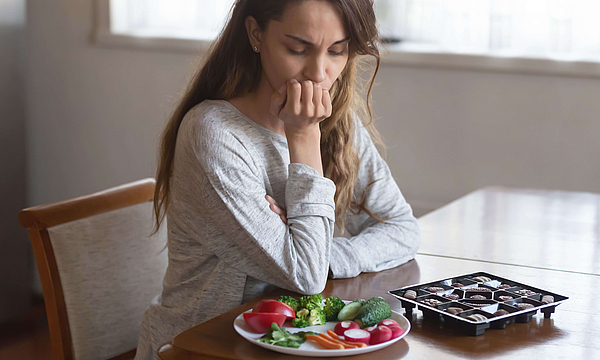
{"x":337,"y":53}
{"x":293,"y":52}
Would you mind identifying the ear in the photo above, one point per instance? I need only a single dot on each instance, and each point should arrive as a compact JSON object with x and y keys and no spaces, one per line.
{"x":254,"y":32}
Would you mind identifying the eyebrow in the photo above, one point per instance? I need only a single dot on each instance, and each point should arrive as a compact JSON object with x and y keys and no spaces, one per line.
{"x":306,"y":42}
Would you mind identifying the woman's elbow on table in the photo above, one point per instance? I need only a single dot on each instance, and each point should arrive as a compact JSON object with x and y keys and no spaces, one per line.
{"x":313,"y":285}
{"x":412,"y":239}
{"x":406,"y":235}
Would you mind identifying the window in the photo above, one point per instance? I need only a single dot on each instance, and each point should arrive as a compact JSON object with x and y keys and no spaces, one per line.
{"x":186,"y":19}
{"x":532,"y":36}
{"x":568,"y":29}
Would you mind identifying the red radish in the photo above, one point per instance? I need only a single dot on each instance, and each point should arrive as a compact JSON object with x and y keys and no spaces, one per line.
{"x":345,"y":325}
{"x":370,"y":329}
{"x":388,"y":323}
{"x":396,"y":329}
{"x":380,"y":334}
{"x":357,"y":335}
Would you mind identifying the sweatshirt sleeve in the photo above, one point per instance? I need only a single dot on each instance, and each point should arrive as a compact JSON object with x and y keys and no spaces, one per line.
{"x":254,"y":240}
{"x":375,"y":246}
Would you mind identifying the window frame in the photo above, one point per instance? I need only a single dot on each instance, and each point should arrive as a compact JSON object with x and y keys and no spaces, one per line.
{"x":404,"y":54}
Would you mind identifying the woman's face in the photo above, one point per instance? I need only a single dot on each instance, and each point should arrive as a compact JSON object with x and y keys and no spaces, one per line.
{"x":309,"y":43}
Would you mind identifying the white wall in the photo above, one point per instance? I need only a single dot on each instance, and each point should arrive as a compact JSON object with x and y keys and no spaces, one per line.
{"x":15,"y":257}
{"x":95,"y":114}
{"x":451,"y":132}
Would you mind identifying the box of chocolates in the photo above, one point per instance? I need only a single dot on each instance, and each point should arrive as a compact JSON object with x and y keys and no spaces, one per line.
{"x":478,"y":301}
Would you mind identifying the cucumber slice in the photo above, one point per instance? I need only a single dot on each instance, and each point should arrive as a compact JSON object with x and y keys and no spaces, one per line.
{"x":349,"y":311}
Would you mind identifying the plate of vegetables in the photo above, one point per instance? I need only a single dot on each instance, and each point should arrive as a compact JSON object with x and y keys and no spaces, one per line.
{"x":313,"y":326}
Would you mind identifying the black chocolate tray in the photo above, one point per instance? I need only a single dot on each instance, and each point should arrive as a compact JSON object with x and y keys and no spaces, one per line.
{"x":490,"y":297}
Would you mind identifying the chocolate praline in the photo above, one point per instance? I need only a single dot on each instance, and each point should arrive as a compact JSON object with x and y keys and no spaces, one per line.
{"x":525,"y":292}
{"x":476,"y":317}
{"x":479,"y":289}
{"x":476,"y":305}
{"x":523,"y":306}
{"x":547,"y":299}
{"x":435,"y":289}
{"x":454,"y":310}
{"x":478,"y":297}
{"x":431,"y":302}
{"x":410,"y":294}
{"x":500,"y":312}
{"x":457,"y":285}
{"x":452,"y":296}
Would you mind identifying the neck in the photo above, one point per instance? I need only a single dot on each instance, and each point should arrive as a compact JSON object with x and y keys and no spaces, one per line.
{"x":256,"y":106}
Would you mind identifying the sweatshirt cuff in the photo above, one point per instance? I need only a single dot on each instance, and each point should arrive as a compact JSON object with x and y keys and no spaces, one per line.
{"x":307,"y":193}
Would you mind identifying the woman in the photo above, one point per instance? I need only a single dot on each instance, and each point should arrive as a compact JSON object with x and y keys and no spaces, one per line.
{"x":263,"y":157}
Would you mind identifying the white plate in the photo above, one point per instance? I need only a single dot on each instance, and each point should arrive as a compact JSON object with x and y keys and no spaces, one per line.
{"x":310,"y":348}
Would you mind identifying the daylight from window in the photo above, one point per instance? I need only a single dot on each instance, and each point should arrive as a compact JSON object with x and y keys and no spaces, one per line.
{"x":187,"y":19}
{"x":562,"y":29}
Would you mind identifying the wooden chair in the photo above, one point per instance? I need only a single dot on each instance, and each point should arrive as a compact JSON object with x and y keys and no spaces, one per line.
{"x":99,"y":269}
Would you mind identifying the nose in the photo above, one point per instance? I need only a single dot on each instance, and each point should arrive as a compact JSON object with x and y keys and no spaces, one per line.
{"x":315,"y":69}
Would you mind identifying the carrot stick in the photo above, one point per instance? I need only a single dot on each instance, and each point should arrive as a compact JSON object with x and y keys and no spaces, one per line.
{"x":341,"y":342}
{"x":324,"y":342}
{"x":337,"y":337}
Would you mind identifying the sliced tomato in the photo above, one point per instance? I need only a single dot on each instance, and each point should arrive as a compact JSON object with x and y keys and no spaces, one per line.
{"x":261,"y":322}
{"x":274,"y":306}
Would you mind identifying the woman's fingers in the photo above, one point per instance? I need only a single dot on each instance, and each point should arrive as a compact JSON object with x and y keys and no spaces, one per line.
{"x":316,"y":100}
{"x":306,"y":100}
{"x":301,"y":103}
{"x":274,"y":206}
{"x":279,"y":211}
{"x":326,"y":101}
{"x":294,"y":93}
{"x":278,"y":100}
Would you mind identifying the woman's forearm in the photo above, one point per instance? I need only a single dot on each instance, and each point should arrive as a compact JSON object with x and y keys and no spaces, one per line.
{"x":305,"y":147}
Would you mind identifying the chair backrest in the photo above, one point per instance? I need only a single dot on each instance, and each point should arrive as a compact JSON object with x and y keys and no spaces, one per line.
{"x":99,"y":269}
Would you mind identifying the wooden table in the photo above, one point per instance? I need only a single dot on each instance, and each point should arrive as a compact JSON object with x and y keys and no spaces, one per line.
{"x":557,"y":230}
{"x":571,"y":333}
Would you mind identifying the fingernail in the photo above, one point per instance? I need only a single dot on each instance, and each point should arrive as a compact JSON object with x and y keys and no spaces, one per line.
{"x":282,"y":89}
{"x":294,"y":81}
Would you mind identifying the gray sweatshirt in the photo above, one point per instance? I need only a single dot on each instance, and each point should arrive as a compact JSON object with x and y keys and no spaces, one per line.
{"x":225,"y":244}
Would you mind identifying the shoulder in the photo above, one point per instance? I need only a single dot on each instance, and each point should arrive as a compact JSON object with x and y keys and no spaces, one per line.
{"x":215,"y":122}
{"x":214,"y":131}
{"x":210,"y":117}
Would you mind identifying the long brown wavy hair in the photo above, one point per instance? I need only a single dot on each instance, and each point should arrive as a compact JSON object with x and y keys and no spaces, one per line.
{"x":233,"y":69}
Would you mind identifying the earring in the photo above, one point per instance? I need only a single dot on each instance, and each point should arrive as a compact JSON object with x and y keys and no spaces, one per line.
{"x":255,"y":49}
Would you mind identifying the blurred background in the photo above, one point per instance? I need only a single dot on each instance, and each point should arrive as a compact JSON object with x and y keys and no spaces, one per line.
{"x":473,"y":93}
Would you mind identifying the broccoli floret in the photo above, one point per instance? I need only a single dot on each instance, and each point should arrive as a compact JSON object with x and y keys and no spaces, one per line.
{"x":311,"y":299}
{"x":311,"y":306}
{"x":333,"y":305}
{"x":317,"y":317}
{"x":302,"y":314}
{"x":299,"y":323}
{"x":290,"y":301}
{"x":301,"y":319}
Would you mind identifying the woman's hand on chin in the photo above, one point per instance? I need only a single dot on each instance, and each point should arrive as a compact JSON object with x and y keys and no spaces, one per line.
{"x":301,"y":106}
